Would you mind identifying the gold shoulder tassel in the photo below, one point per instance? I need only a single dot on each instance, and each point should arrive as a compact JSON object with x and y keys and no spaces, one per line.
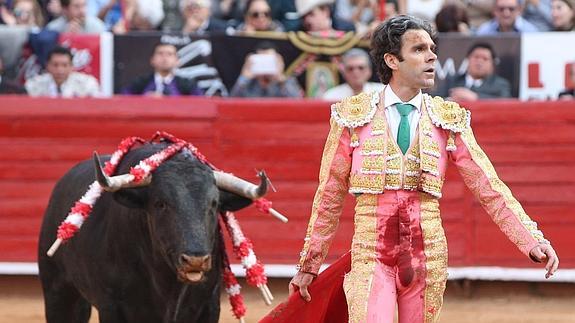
{"x":451,"y":142}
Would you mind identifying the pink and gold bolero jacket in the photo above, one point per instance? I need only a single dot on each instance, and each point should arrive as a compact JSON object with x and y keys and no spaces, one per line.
{"x":361,"y":157}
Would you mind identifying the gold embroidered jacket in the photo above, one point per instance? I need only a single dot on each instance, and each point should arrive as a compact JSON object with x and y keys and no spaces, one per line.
{"x":361,"y":157}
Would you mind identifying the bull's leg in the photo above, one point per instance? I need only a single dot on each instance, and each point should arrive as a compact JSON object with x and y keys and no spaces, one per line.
{"x":62,"y":301}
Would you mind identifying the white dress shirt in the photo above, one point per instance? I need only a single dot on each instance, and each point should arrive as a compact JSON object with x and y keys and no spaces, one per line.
{"x":470,"y":81}
{"x":393,"y":116}
{"x":160,"y":81}
{"x":76,"y":85}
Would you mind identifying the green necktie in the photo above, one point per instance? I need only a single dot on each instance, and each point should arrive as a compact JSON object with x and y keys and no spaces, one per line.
{"x":403,"y":132}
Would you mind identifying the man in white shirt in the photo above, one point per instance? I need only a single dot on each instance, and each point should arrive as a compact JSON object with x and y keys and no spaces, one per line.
{"x":61,"y":80}
{"x":356,"y":72}
{"x":75,"y":20}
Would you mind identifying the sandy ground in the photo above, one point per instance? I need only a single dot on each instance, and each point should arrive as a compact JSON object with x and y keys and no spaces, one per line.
{"x":465,"y":302}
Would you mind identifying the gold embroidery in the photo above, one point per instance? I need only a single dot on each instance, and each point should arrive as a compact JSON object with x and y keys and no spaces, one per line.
{"x":355,"y":111}
{"x":392,"y":181}
{"x":446,"y":114}
{"x":361,"y":183}
{"x":373,"y":146}
{"x":431,"y":184}
{"x":373,"y":165}
{"x":430,"y":164}
{"x":451,"y":142}
{"x":435,"y":249}
{"x":354,"y":138}
{"x":357,"y":284}
{"x":378,"y":125}
{"x":339,"y":168}
{"x":430,"y":147}
{"x":411,"y":182}
{"x":498,"y":186}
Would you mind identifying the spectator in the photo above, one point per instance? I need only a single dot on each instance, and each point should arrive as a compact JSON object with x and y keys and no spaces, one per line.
{"x":362,"y":13}
{"x":51,"y":9}
{"x":228,"y":9}
{"x":317,"y":18}
{"x":198,"y":19}
{"x":538,"y":12}
{"x":60,"y":79}
{"x":356,"y":72}
{"x":507,"y":18}
{"x":263,"y":75}
{"x":75,"y":20}
{"x":478,"y":11}
{"x":173,"y":20}
{"x":257,"y":17}
{"x":285,"y":12}
{"x":109,"y":11}
{"x":8,"y":86}
{"x":425,"y":9}
{"x":480,"y":80}
{"x":140,"y":15}
{"x":563,"y":14}
{"x":452,"y":18}
{"x":24,"y":13}
{"x":163,"y":81}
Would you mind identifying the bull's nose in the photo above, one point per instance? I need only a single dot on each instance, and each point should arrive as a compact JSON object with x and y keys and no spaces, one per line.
{"x":203,"y":263}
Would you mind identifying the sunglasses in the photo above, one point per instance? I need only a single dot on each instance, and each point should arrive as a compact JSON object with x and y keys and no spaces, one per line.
{"x":351,"y":68}
{"x":256,"y":14}
{"x":511,"y":9}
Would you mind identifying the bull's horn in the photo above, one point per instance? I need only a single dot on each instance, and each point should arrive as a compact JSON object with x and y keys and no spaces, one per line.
{"x":243,"y":188}
{"x":114,"y":183}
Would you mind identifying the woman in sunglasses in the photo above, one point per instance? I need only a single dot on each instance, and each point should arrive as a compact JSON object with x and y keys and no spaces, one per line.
{"x":257,"y":17}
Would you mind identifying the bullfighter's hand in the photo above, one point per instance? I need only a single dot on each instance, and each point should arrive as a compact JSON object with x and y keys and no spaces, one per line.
{"x":544,"y":252}
{"x":301,"y":281}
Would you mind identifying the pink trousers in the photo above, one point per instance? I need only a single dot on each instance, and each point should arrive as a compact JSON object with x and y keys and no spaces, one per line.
{"x":400,"y":274}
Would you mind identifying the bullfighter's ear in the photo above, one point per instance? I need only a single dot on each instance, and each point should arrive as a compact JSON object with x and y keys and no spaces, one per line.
{"x":134,"y":198}
{"x":232,"y":202}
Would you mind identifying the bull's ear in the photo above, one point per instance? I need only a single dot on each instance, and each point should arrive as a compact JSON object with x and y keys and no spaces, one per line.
{"x":134,"y":198}
{"x":232,"y":202}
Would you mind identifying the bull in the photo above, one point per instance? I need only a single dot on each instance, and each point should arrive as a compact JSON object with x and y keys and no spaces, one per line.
{"x":152,"y":253}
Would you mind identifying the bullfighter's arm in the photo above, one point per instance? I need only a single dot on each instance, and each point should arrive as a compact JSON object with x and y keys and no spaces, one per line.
{"x":329,"y":197}
{"x":496,"y":198}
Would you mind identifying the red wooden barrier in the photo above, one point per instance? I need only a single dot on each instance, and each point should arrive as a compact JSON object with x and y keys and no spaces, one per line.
{"x":531,"y":144}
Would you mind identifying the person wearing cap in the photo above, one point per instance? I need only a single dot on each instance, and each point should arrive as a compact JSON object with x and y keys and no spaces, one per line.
{"x":317,"y":18}
{"x":390,"y":150}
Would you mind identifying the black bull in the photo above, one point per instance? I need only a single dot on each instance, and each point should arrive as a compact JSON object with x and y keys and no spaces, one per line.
{"x":148,"y":254}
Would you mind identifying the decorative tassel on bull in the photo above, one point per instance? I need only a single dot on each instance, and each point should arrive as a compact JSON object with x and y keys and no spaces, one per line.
{"x":141,"y":175}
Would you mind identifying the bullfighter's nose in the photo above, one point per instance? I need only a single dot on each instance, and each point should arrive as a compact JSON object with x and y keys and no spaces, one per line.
{"x":196,"y":263}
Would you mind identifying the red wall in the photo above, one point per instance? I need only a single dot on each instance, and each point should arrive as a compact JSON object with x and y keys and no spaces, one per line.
{"x":531,"y":144}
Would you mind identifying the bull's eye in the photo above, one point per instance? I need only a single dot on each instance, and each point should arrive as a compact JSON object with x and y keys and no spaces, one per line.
{"x":161,"y":205}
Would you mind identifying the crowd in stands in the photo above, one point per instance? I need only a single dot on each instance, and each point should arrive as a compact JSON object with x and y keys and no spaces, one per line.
{"x":322,"y":18}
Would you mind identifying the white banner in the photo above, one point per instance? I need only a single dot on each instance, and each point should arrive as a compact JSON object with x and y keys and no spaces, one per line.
{"x":547,"y":64}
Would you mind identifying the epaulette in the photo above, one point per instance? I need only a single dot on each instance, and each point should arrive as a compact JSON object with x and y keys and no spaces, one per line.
{"x":447,"y":114}
{"x":355,"y":111}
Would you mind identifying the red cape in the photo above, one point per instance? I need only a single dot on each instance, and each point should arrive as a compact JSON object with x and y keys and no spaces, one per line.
{"x":327,"y":304}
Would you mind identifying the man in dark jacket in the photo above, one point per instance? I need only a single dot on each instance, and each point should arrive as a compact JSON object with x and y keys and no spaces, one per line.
{"x":8,"y":86}
{"x":163,"y":82}
{"x":480,"y":80}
